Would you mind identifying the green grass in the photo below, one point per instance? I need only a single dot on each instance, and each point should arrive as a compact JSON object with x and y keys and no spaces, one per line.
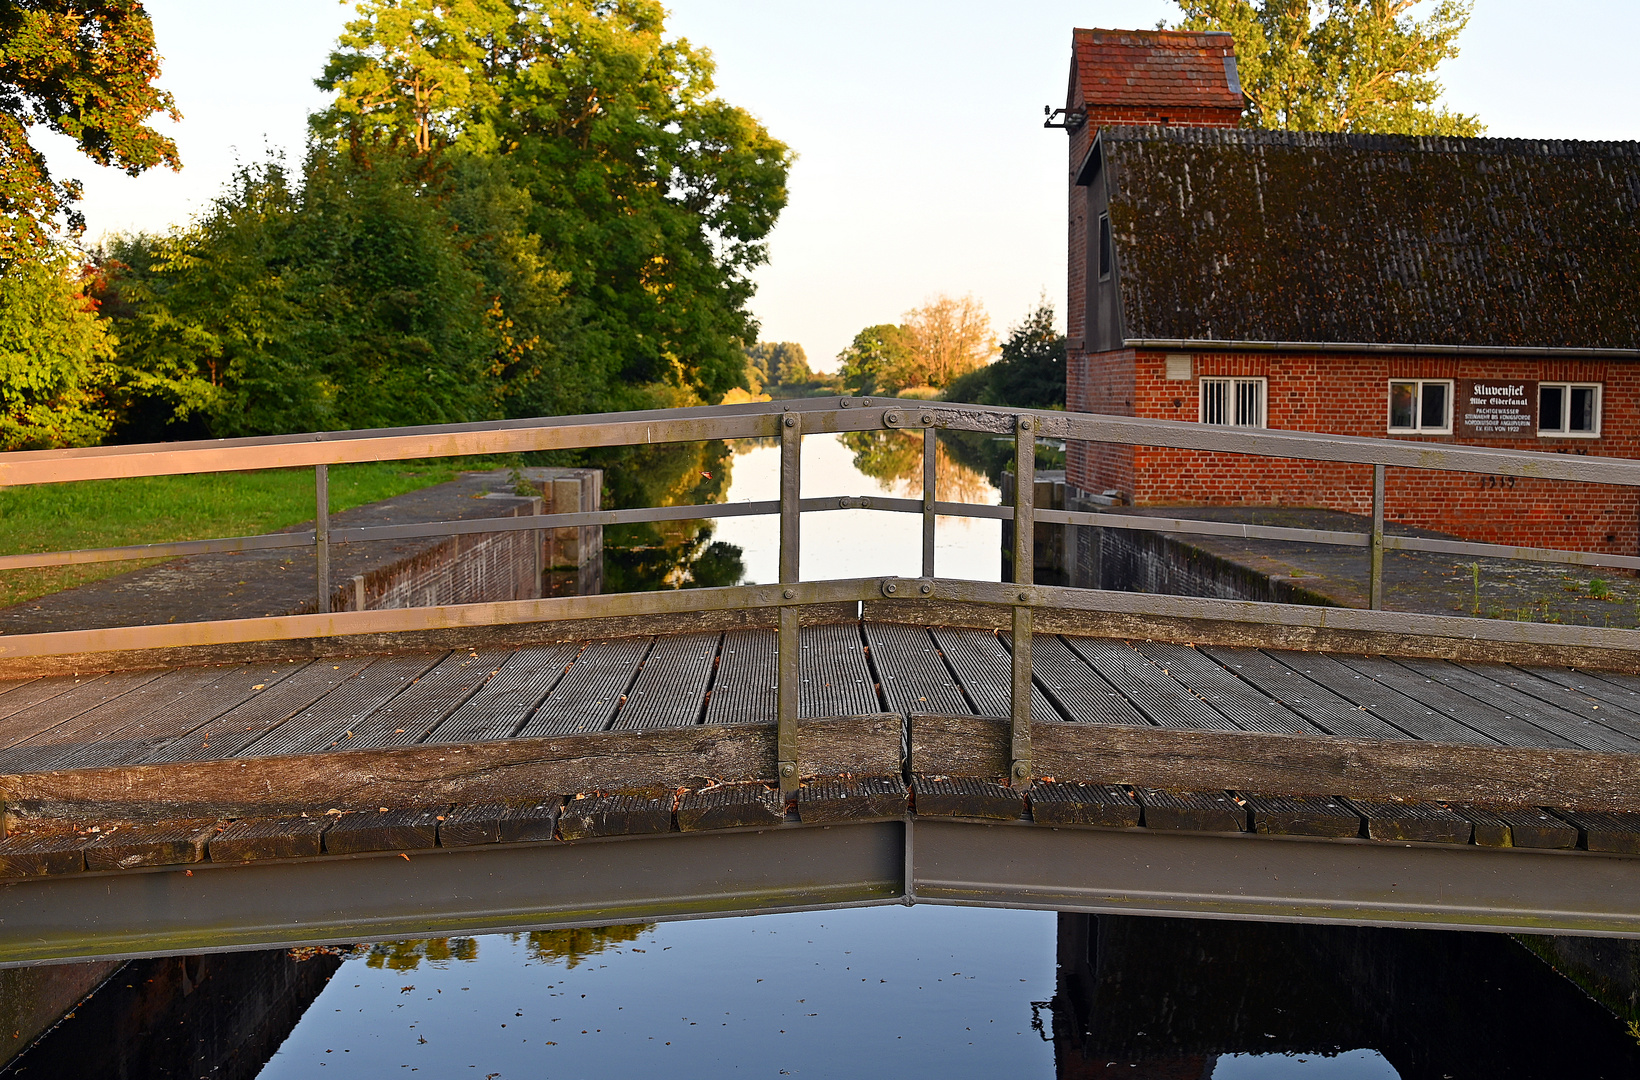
{"x":156,"y":509}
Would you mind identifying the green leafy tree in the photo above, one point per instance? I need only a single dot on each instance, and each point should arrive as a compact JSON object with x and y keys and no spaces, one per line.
{"x":84,"y":69}
{"x":877,"y":360}
{"x":779,"y":363}
{"x":1341,"y":65}
{"x":1029,"y":373}
{"x":413,"y":70}
{"x":353,"y":301}
{"x":653,"y":196}
{"x":56,"y":358}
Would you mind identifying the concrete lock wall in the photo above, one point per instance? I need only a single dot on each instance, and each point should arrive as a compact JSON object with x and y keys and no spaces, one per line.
{"x":487,"y":567}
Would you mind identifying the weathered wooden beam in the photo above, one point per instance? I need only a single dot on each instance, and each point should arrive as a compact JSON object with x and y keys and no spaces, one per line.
{"x":1198,"y":760}
{"x":501,"y":636}
{"x":503,"y":770}
{"x":1310,"y":630}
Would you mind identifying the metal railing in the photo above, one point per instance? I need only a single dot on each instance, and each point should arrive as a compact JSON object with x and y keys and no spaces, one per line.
{"x":789,"y":422}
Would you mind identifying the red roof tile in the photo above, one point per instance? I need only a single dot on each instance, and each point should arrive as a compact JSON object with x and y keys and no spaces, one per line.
{"x":1156,"y":67}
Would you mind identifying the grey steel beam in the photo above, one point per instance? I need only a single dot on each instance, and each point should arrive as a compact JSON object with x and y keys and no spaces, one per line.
{"x":512,"y":887}
{"x":321,"y":535}
{"x":492,"y":888}
{"x":1375,"y":547}
{"x":1282,"y":879}
{"x":1019,"y":691}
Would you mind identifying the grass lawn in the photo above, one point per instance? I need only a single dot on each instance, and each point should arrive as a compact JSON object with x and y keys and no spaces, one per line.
{"x":146,"y":510}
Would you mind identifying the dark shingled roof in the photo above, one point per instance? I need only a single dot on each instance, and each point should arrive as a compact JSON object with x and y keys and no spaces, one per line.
{"x":1235,"y":235}
{"x":1156,"y":67}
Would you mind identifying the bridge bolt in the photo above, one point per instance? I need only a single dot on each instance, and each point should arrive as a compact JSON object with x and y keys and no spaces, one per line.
{"x":891,"y":419}
{"x":791,"y":421}
{"x":789,"y":594}
{"x":891,"y":588}
{"x":925,"y":588}
{"x":1021,"y":769}
{"x":1024,"y":598}
{"x":787,"y":769}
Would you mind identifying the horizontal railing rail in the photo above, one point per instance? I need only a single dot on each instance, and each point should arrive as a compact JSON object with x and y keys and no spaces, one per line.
{"x":788,"y":422}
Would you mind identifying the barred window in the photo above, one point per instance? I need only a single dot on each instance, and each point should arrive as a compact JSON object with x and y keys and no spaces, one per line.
{"x":1233,"y":402}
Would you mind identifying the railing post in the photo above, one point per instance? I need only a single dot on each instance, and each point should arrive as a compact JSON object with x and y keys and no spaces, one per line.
{"x":929,"y":461}
{"x":789,"y":647}
{"x":1019,"y":754}
{"x":1375,"y":542}
{"x":321,"y":533}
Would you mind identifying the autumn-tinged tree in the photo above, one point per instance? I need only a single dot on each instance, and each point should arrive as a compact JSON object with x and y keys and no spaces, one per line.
{"x":1341,"y":65}
{"x":84,"y":69}
{"x":949,"y":337}
{"x":1029,"y":371}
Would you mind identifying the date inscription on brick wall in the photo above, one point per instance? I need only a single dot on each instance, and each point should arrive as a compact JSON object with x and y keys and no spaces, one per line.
{"x":1496,"y":408}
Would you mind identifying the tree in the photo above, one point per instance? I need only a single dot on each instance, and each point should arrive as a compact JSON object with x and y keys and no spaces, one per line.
{"x":84,"y":69}
{"x":652,"y":196}
{"x":355,"y":300}
{"x":1363,"y":65}
{"x":949,"y":337}
{"x":877,"y":360}
{"x":778,"y":363}
{"x":1029,"y":372}
{"x":56,"y":358}
{"x":412,"y":69}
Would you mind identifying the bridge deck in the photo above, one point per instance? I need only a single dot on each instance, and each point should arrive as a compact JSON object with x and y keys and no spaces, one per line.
{"x":194,"y":714}
{"x":1154,"y":758}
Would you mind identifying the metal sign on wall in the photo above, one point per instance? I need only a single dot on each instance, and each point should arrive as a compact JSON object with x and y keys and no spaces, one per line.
{"x":1494,"y":408}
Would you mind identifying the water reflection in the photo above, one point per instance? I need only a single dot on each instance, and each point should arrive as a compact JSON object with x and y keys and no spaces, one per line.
{"x":1177,"y":997}
{"x":666,"y":554}
{"x":671,"y":555}
{"x":219,"y":1016}
{"x":923,"y":991}
{"x":895,"y":460}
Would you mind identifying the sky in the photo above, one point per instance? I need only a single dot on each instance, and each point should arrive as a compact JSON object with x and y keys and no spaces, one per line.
{"x":922,"y":164}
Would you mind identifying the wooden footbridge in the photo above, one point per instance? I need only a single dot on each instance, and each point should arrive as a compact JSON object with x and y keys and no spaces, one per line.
{"x":347,"y":776}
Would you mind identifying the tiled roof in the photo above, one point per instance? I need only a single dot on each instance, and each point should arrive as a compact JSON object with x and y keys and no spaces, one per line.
{"x":1239,"y":235}
{"x":1156,"y":67}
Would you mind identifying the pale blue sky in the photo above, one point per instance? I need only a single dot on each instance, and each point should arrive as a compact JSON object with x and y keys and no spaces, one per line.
{"x":923,"y":166}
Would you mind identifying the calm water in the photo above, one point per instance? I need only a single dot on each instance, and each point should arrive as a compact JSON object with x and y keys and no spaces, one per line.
{"x":905,"y":992}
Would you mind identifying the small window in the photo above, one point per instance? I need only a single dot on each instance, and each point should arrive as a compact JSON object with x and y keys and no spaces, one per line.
{"x":1571,"y":410}
{"x":1423,"y":405}
{"x":1104,"y":247}
{"x":1233,"y":402}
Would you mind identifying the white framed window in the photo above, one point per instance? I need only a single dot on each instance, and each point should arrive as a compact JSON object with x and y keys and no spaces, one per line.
{"x":1569,"y":410}
{"x":1233,"y":402}
{"x":1421,"y":405}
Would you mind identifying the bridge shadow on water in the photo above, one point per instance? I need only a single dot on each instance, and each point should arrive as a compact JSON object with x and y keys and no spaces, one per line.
{"x":1147,"y":998}
{"x":1159,"y":999}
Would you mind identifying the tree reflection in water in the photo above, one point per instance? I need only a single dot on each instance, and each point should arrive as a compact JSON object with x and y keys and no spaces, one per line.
{"x":666,"y":554}
{"x":548,"y":946}
{"x":895,"y":460}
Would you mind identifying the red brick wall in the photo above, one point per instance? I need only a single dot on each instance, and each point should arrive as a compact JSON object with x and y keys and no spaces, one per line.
{"x":1163,"y":115}
{"x":1347,"y":395}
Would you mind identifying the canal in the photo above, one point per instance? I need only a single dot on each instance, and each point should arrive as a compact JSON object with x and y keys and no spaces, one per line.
{"x":901,"y":991}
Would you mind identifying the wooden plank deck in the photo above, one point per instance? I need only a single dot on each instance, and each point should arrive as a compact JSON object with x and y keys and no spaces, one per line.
{"x":848,"y":669}
{"x":1259,"y":740}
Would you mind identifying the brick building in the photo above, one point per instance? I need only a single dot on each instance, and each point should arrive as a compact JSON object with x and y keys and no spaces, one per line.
{"x":1479,"y":291}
